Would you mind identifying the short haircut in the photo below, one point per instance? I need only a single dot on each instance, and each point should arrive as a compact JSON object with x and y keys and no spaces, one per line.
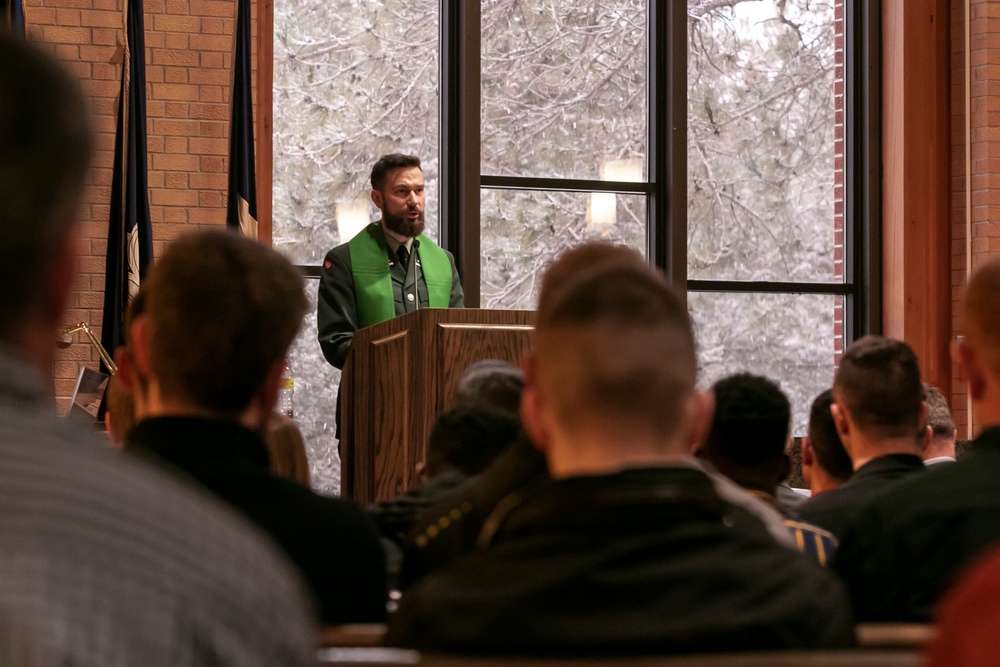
{"x":981,"y":313}
{"x":223,"y":310}
{"x":938,"y":413}
{"x":824,"y":440}
{"x":388,"y":163}
{"x":878,"y":383}
{"x":45,"y":145}
{"x":491,"y":384}
{"x":751,"y":421}
{"x":468,"y":439}
{"x":614,"y":348}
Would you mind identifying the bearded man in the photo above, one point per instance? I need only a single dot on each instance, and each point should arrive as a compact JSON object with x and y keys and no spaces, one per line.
{"x":390,"y":268}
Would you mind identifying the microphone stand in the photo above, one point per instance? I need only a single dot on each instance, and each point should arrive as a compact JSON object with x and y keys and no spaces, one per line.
{"x":65,"y":341}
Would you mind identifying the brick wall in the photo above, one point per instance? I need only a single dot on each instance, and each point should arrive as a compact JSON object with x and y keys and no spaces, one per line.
{"x":188,"y":57}
{"x":984,"y":92}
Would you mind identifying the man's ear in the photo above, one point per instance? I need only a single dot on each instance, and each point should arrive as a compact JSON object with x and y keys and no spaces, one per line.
{"x":698,"y":412}
{"x":808,"y":456}
{"x":268,"y":392}
{"x":969,"y":367}
{"x":377,"y":199}
{"x":139,"y":355}
{"x":532,"y":418}
{"x":840,"y":421}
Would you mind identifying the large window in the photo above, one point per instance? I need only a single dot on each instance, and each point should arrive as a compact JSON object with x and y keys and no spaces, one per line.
{"x":726,"y":141}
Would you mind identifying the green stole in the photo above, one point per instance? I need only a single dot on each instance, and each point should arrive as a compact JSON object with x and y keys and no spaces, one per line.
{"x":372,"y":280}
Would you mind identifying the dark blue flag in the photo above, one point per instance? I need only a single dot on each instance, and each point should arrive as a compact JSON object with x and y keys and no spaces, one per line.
{"x":13,"y":15}
{"x":130,"y":238}
{"x":242,"y":211}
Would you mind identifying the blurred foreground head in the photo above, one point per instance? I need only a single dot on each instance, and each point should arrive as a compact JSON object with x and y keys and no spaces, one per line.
{"x":45,"y":145}
{"x":610,"y":382}
{"x":221,"y":311}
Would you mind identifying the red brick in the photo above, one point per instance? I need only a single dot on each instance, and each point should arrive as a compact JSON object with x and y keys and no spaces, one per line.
{"x":173,"y":197}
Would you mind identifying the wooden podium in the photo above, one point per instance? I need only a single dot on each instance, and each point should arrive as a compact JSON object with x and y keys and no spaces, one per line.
{"x":399,"y":376}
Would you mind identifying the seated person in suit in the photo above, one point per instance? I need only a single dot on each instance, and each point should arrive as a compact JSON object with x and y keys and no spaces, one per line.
{"x":880,"y":415}
{"x":904,"y":549}
{"x":205,"y":360}
{"x":748,"y":443}
{"x":939,"y":447}
{"x":825,"y":464}
{"x":632,"y":548}
{"x":390,"y":268}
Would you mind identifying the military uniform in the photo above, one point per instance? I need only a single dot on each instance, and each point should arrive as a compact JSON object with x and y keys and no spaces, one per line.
{"x":364,"y":282}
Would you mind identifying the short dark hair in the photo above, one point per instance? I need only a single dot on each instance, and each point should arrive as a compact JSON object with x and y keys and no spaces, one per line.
{"x":491,"y":384}
{"x":751,"y":421}
{"x":468,"y":439}
{"x":388,"y":163}
{"x":878,"y":383}
{"x":614,"y":344}
{"x":45,"y":145}
{"x":824,"y":440}
{"x":223,"y":310}
{"x":938,"y":413}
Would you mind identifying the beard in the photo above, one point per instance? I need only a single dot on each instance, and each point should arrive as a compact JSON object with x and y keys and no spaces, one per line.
{"x":402,"y":225}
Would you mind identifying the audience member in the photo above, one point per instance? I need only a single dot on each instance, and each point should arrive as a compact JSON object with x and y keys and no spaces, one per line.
{"x":879,"y":412}
{"x":825,"y":464}
{"x":105,"y":560}
{"x":209,"y":391}
{"x":286,"y":449}
{"x":902,"y":551}
{"x":633,"y":548}
{"x":748,"y":443}
{"x":939,"y":445}
{"x":492,"y":385}
{"x":519,"y":466}
{"x":462,"y":443}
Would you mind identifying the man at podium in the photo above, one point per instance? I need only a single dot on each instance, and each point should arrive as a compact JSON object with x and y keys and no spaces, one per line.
{"x":390,"y":268}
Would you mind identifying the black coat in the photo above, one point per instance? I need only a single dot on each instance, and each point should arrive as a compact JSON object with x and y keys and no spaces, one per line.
{"x":645,"y":561}
{"x":832,"y":509}
{"x":332,"y":541}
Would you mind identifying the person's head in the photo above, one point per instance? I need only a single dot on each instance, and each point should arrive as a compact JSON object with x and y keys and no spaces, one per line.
{"x":220,"y":313}
{"x":940,"y":440}
{"x":610,"y":380}
{"x":490,"y":384}
{"x":467,"y":439}
{"x":45,"y":145}
{"x":825,"y":463}
{"x":748,"y":441}
{"x":398,"y":191}
{"x":978,"y":352}
{"x":878,"y":396}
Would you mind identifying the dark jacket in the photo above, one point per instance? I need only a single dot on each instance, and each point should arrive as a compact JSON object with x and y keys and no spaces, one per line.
{"x":832,"y":509}
{"x":900,"y":552}
{"x":644,"y":561}
{"x":332,"y":541}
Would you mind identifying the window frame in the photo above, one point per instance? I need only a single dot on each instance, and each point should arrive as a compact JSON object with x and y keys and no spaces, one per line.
{"x":666,"y":183}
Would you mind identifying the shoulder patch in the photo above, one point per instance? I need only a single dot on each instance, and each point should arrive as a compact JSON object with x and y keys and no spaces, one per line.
{"x":327,"y":264}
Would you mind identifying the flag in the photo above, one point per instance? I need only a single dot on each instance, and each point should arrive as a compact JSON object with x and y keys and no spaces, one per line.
{"x":13,"y":15}
{"x":242,"y":211}
{"x":130,"y":237}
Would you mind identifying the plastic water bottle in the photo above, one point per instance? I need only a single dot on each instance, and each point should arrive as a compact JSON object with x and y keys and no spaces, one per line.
{"x":286,"y":393}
